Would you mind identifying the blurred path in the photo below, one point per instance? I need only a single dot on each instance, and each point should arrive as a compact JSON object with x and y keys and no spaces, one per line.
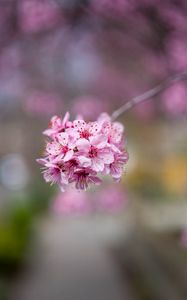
{"x":72,"y":262}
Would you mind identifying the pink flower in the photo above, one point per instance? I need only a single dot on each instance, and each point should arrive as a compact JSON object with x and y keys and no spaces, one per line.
{"x":85,"y":130}
{"x":113,"y":131}
{"x":36,"y":15}
{"x":54,"y":173}
{"x":56,"y":125}
{"x":116,"y":169}
{"x":96,"y":151}
{"x":83,"y":178}
{"x":78,"y":152}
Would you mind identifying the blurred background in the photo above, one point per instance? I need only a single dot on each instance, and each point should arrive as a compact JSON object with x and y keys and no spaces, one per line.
{"x":117,"y":241}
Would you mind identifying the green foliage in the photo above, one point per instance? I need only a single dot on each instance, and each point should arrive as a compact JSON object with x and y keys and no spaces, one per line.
{"x":15,"y":229}
{"x":3,"y":290}
{"x":40,"y":195}
{"x":16,"y":225}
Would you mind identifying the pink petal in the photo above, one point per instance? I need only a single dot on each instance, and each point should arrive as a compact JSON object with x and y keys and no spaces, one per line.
{"x":83,"y":145}
{"x":79,"y":125}
{"x":66,"y":119}
{"x":106,"y":156}
{"x":116,"y":172}
{"x":56,"y":122}
{"x":97,"y":164}
{"x":53,"y":148}
{"x":48,"y":132}
{"x":106,"y":170}
{"x":84,"y":161}
{"x":73,"y":134}
{"x":95,"y":180}
{"x":114,"y":148}
{"x":62,"y":138}
{"x":104,"y":117}
{"x":50,"y":165}
{"x":41,"y":161}
{"x":94,"y":127}
{"x":118,"y":127}
{"x":64,"y":179}
{"x":68,"y":155}
{"x":106,"y":128}
{"x":98,"y":141}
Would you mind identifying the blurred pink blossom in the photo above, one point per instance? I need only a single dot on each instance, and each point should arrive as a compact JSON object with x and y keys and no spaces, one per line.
{"x":6,"y":9}
{"x":155,"y":65}
{"x":177,"y":53}
{"x":72,"y":202}
{"x":82,"y":62}
{"x":174,"y":100}
{"x":42,"y":103}
{"x":91,"y":106}
{"x":111,"y":8}
{"x":12,"y":85}
{"x":12,"y":77}
{"x":111,"y":199}
{"x":174,"y":17}
{"x":11,"y":58}
{"x":37,"y":15}
{"x":113,"y":84}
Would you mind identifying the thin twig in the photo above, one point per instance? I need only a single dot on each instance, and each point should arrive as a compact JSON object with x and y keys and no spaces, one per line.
{"x":149,"y":94}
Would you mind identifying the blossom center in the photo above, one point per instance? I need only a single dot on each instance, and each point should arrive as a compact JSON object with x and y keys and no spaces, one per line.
{"x":73,"y":163}
{"x":64,"y":149}
{"x":83,"y":174}
{"x":92,"y":152}
{"x":85,"y":134}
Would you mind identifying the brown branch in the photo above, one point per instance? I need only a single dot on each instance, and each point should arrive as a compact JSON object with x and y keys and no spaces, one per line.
{"x":149,"y":94}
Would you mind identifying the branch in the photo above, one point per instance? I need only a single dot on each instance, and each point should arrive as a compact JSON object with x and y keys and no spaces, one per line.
{"x":149,"y":94}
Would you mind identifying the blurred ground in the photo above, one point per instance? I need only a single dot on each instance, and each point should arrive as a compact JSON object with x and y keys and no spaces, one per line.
{"x":95,"y":258}
{"x":73,"y":261}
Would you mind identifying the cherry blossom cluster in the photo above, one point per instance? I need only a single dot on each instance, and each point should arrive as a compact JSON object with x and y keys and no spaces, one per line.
{"x":78,"y":152}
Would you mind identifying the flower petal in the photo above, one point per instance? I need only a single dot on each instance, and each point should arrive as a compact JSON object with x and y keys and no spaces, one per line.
{"x":64,"y":179}
{"x":62,"y":137}
{"x":69,"y":154}
{"x":104,"y":117}
{"x":49,"y":132}
{"x":107,"y":156}
{"x":65,"y":119}
{"x":42,"y":161}
{"x":83,"y":145}
{"x":94,"y":128}
{"x":97,"y":164}
{"x":53,"y":148}
{"x":94,"y":179}
{"x":98,"y":141}
{"x":79,"y":125}
{"x":84,"y":161}
{"x":73,"y":134}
